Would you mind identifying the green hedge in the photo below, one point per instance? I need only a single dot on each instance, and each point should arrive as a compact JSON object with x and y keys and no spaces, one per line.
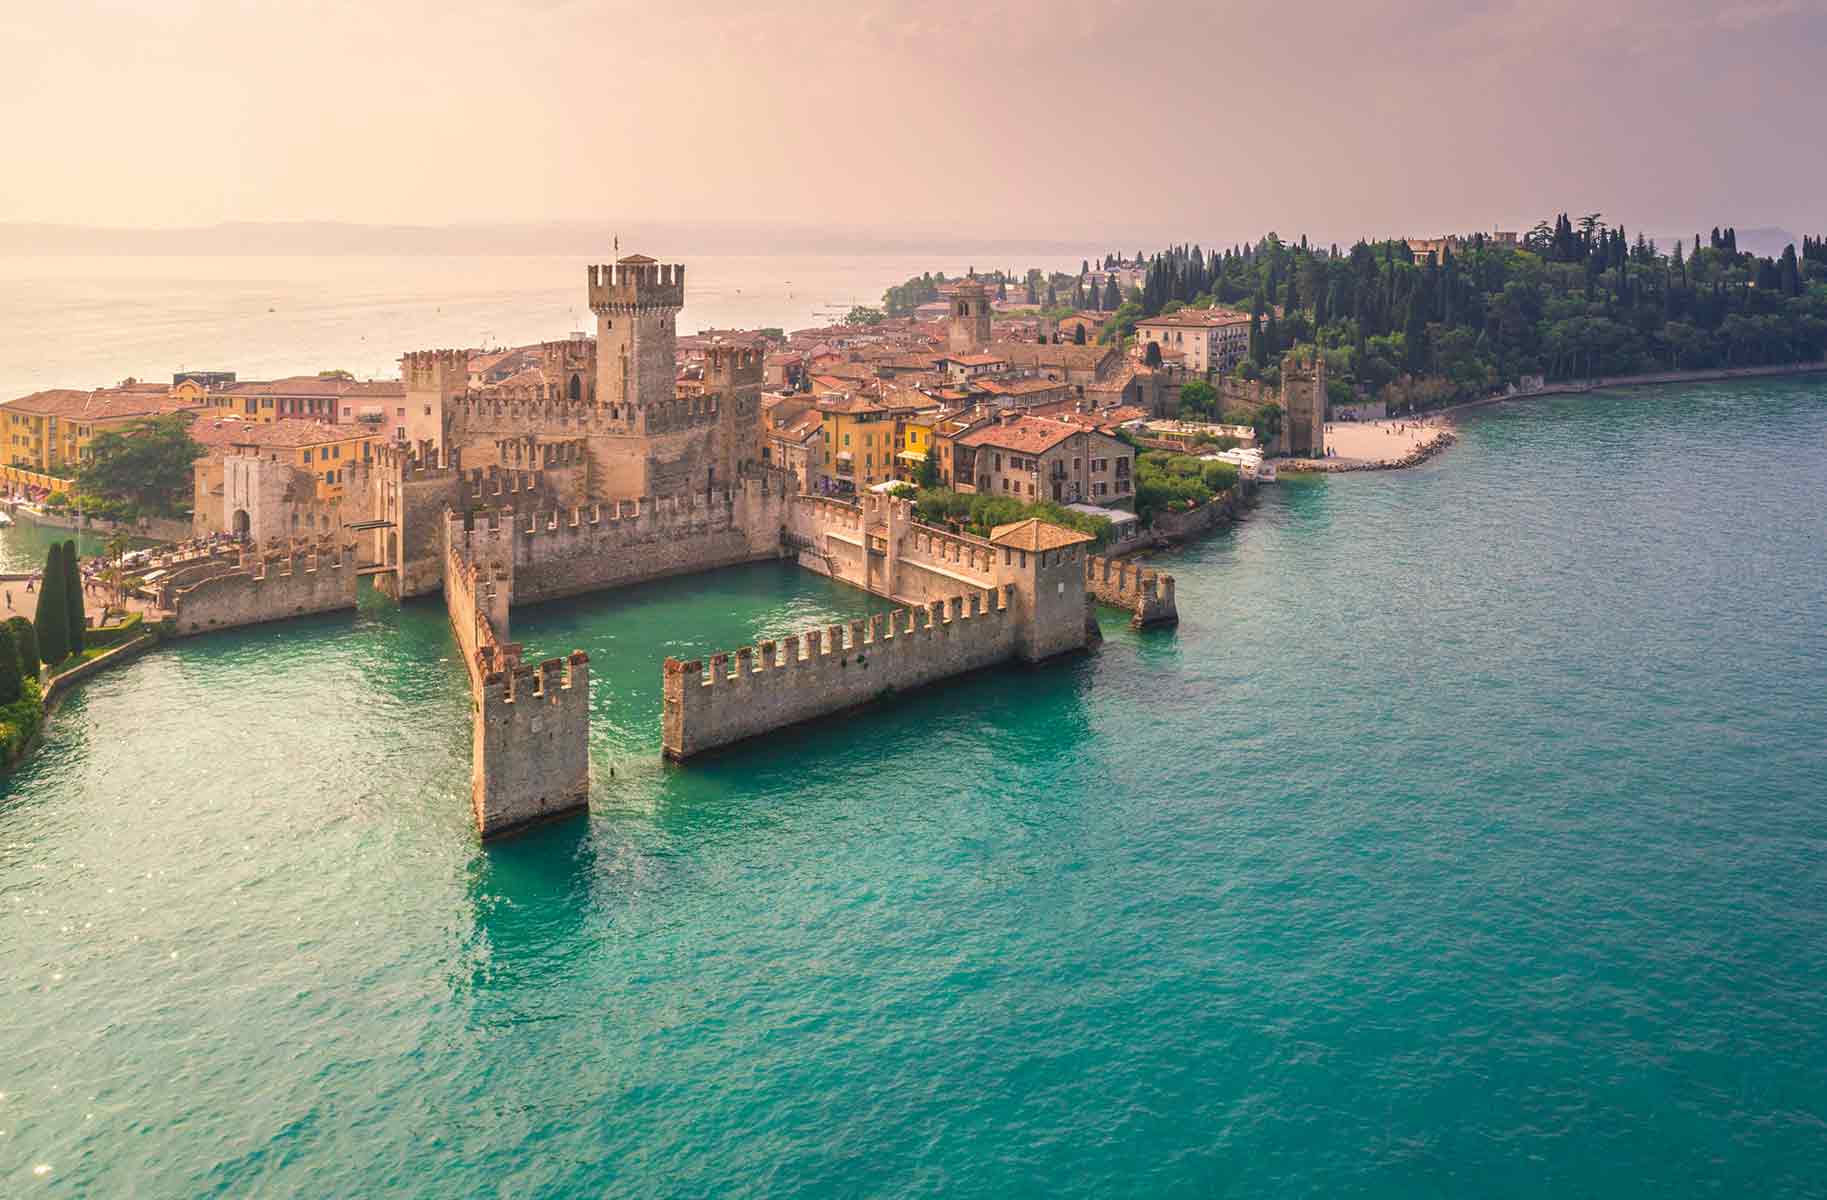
{"x":19,"y":722}
{"x":105,"y":636}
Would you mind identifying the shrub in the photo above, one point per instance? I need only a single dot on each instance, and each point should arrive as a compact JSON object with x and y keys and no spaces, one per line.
{"x":11,"y":680}
{"x":25,"y":637}
{"x":115,"y":635}
{"x":19,"y":720}
{"x":1219,"y":476}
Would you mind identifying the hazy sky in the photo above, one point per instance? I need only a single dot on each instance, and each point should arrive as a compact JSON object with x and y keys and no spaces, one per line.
{"x":1033,"y":117}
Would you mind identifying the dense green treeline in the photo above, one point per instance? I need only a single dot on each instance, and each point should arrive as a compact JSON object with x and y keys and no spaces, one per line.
{"x":1575,"y":299}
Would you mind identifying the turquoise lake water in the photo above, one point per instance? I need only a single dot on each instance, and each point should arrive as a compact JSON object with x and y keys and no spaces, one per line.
{"x":1468,"y":837}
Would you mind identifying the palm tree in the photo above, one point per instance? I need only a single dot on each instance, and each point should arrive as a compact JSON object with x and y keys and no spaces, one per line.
{"x":116,"y":549}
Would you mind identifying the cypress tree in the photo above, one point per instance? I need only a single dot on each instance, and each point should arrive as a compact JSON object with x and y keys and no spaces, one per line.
{"x":72,"y":596}
{"x":26,"y":639}
{"x":11,"y":686}
{"x":53,"y":613}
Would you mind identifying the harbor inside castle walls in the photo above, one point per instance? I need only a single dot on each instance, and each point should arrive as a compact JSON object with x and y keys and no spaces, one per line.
{"x":610,"y":479}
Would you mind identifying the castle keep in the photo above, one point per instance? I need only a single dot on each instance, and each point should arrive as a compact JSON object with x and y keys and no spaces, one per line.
{"x":602,"y":469}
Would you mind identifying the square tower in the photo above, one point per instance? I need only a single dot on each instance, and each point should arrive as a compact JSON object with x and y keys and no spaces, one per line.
{"x":969,"y":327}
{"x":636,"y":301}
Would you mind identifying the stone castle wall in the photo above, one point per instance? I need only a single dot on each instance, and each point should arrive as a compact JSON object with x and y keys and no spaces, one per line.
{"x":531,"y":748}
{"x":530,"y":726}
{"x":818,"y":673}
{"x":1147,"y":594}
{"x":274,"y":589}
{"x":878,"y":546}
{"x":558,"y":554}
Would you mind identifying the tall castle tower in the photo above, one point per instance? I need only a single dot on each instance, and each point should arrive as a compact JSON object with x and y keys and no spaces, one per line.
{"x":433,"y":379}
{"x":970,"y":319}
{"x":636,"y":301}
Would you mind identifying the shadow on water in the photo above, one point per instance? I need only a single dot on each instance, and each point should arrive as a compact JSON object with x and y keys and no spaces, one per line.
{"x":529,"y":898}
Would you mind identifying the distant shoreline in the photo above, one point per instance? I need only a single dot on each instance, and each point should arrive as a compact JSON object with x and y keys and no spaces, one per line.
{"x":1434,"y":445}
{"x":1575,"y":387}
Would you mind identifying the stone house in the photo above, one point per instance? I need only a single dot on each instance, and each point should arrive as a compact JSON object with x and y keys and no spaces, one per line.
{"x":1036,"y":458}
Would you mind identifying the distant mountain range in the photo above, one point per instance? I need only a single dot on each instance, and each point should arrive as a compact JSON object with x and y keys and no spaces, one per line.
{"x":590,"y":239}
{"x":336,"y":238}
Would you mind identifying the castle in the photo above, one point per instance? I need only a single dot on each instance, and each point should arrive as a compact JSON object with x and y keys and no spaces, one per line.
{"x":605,"y":469}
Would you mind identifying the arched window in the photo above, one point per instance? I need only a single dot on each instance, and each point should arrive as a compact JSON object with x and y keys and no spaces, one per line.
{"x":577,"y":388}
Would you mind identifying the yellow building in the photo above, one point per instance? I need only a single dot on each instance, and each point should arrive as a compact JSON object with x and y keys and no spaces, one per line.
{"x":916,"y":443}
{"x":51,"y":431}
{"x":862,"y":437}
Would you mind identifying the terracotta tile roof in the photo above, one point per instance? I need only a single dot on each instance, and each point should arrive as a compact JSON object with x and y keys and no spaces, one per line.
{"x":974,"y":360}
{"x":1198,"y":318}
{"x":1017,"y":387}
{"x":1024,"y":435}
{"x":1035,"y":534}
{"x":1063,"y":354}
{"x":101,"y":404}
{"x":801,"y":427}
{"x":312,"y":385}
{"x":289,"y":434}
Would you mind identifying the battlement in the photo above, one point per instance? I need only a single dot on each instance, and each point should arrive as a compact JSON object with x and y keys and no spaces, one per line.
{"x":445,"y":371}
{"x":732,"y":366}
{"x":496,"y":486}
{"x":515,"y":682}
{"x":420,"y":462}
{"x":576,"y":352}
{"x":528,"y":453}
{"x":271,"y":585}
{"x":531,"y":755}
{"x":541,"y":410}
{"x":1120,"y":584}
{"x":822,"y":671}
{"x":426,"y":360}
{"x":636,"y":282}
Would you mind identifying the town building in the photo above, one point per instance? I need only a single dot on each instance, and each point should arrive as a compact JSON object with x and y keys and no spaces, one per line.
{"x":961,"y":368}
{"x":1037,"y":458}
{"x":275,"y":479}
{"x":52,"y":431}
{"x":860,"y":435}
{"x":1208,"y":339}
{"x":796,"y":445}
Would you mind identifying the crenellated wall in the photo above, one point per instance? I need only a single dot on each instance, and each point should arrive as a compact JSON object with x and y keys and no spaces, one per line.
{"x":410,"y":489}
{"x":1147,"y":594}
{"x":817,"y":673}
{"x":530,"y":730}
{"x":632,"y":541}
{"x":877,"y":545}
{"x":266,"y":589}
{"x":478,"y":590}
{"x":531,"y":749}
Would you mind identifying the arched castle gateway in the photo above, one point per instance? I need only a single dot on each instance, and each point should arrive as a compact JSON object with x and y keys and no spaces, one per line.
{"x":604,"y":469}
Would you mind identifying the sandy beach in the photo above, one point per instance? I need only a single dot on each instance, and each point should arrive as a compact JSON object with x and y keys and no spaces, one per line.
{"x":1372,"y":445}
